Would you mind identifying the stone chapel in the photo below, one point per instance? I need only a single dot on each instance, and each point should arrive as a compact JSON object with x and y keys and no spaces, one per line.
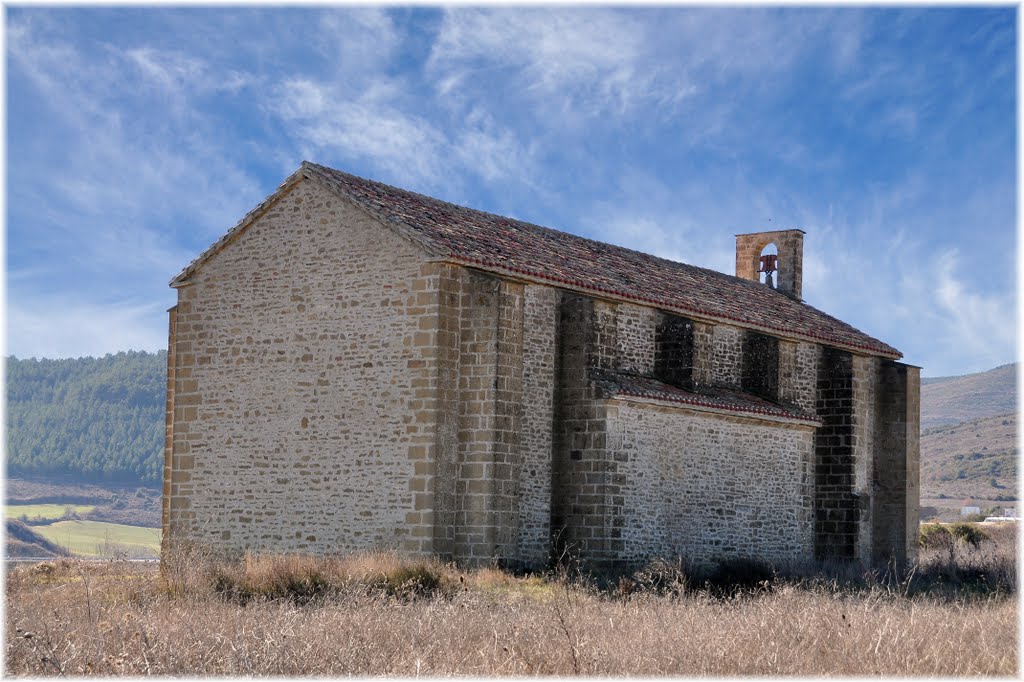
{"x":355,"y":366}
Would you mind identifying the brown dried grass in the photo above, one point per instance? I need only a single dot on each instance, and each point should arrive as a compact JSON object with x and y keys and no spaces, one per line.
{"x":81,"y":618}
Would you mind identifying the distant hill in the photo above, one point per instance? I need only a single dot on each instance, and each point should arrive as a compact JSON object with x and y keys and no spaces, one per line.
{"x":22,"y":541}
{"x":87,"y":419}
{"x":969,"y":439}
{"x":975,"y":459}
{"x":951,"y":400}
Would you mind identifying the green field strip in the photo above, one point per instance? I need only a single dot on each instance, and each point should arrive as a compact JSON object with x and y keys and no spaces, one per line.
{"x":101,"y":539}
{"x":42,"y":512}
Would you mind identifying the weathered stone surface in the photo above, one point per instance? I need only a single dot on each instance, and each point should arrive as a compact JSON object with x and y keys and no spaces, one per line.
{"x":334,"y":387}
{"x":726,"y":356}
{"x":790,"y":247}
{"x":305,"y":401}
{"x":636,"y":338}
{"x":709,"y":487}
{"x":837,"y":499}
{"x":540,"y":332}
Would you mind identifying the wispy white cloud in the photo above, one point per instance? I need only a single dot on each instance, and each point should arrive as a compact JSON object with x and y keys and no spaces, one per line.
{"x":358,"y":41}
{"x":113,"y":198}
{"x":179,"y":73}
{"x":982,"y":325}
{"x":360,"y":111}
{"x":369,"y":126}
{"x":494,"y":152}
{"x":120,"y":163}
{"x":568,"y":61}
{"x":62,"y":326}
{"x":579,"y":64}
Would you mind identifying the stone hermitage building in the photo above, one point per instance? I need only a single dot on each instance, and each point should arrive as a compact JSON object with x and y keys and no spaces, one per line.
{"x":355,"y":366}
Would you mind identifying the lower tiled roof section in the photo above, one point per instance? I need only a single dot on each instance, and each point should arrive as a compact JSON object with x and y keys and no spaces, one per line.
{"x":616,"y":384}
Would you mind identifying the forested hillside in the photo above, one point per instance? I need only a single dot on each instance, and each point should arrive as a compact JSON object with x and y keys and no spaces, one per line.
{"x":94,"y":419}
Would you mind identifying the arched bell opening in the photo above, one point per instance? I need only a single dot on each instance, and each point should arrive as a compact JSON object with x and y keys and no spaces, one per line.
{"x":769,"y":265}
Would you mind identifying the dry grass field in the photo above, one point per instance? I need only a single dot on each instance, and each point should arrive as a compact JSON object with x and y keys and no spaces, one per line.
{"x":956,"y":614}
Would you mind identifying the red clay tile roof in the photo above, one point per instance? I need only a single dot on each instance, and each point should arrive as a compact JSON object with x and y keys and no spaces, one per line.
{"x":492,"y":242}
{"x":503,"y":245}
{"x":621,"y":384}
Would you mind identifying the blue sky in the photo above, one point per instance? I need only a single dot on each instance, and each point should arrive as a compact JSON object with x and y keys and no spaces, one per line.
{"x":136,"y":137}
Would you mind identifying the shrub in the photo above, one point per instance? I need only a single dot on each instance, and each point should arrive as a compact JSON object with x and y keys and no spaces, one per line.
{"x":296,"y":578}
{"x":970,"y":534}
{"x":734,"y":575}
{"x":303,"y":578}
{"x":659,"y":577}
{"x":961,"y":559}
{"x":408,"y":580}
{"x":934,"y":535}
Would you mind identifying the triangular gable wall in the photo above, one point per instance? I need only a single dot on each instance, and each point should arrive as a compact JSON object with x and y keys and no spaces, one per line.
{"x":303,"y":173}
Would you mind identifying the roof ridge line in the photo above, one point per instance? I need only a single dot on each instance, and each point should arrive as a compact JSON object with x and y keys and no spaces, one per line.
{"x":644,"y":254}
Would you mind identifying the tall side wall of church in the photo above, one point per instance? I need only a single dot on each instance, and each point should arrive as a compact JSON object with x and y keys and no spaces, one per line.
{"x":305,"y":387}
{"x":707,"y":488}
{"x":637,"y":480}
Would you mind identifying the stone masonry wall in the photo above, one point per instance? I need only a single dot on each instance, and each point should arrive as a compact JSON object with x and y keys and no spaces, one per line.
{"x":492,"y":490}
{"x":478,"y":365}
{"x":709,"y":487}
{"x":165,"y":506}
{"x":540,"y":335}
{"x":895,"y":476}
{"x":635,"y":335}
{"x":490,"y":419}
{"x":798,"y":374}
{"x":305,"y":386}
{"x":837,"y":510}
{"x":865,"y":394}
{"x":912,"y":457}
{"x":586,"y":518}
{"x":606,"y":467}
{"x":446,"y":460}
{"x":727,"y":356}
{"x":508,"y":420}
{"x":703,"y":354}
